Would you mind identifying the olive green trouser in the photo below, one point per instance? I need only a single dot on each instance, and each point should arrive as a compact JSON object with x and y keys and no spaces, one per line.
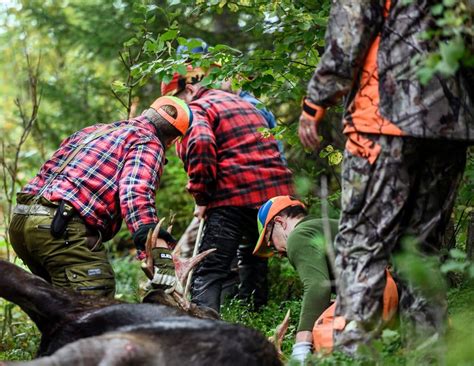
{"x":77,"y":260}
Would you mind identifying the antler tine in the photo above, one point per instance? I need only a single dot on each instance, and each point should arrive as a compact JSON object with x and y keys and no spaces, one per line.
{"x":156,"y":232}
{"x":192,"y":262}
{"x":181,"y":300}
{"x":147,"y":266}
{"x":151,"y":239}
{"x":170,"y":225}
{"x":280,"y":331}
{"x":177,"y":250}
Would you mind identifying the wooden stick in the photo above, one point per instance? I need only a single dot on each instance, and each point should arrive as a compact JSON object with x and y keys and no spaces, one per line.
{"x":195,"y":251}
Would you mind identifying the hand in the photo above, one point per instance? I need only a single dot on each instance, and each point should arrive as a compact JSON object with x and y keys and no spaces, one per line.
{"x":164,"y":276}
{"x":308,"y":133}
{"x":200,"y":211}
{"x":141,"y":235}
{"x":165,"y":236}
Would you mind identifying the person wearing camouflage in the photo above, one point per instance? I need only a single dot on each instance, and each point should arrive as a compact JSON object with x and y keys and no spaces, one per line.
{"x":403,"y":160}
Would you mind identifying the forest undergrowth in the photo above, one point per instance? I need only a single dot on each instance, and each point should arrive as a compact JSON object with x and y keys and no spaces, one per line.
{"x":21,"y":337}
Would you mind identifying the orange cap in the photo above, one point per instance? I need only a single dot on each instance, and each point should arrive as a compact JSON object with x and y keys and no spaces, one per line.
{"x":266,"y":213}
{"x":177,"y":84}
{"x":184,"y":116}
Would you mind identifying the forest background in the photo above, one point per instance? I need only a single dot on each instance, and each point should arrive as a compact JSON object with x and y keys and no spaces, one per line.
{"x":68,"y":64}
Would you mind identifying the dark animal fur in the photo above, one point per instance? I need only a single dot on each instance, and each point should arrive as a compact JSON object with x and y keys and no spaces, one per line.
{"x":79,"y":330}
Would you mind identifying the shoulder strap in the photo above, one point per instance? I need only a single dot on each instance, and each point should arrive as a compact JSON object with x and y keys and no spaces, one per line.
{"x":71,"y":156}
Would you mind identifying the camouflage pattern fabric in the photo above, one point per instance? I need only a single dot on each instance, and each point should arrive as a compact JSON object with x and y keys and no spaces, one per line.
{"x":373,"y":46}
{"x":408,"y":191}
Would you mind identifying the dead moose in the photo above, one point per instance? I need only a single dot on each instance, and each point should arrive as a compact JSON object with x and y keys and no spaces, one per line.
{"x":78,"y":330}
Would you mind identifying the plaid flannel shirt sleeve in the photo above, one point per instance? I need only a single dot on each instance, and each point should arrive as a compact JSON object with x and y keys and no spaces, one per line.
{"x":138,"y":184}
{"x":200,"y":159}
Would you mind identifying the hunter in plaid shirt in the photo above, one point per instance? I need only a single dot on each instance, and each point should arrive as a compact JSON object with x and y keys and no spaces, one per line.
{"x":98,"y":176}
{"x":232,"y":170}
{"x":228,"y":161}
{"x":126,"y":163}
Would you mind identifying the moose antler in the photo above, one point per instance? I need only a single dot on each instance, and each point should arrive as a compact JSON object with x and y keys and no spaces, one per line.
{"x":182,"y":266}
{"x":151,"y":242}
{"x":280,"y":331}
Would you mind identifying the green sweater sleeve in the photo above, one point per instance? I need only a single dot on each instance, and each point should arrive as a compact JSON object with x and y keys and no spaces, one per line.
{"x":306,"y":252}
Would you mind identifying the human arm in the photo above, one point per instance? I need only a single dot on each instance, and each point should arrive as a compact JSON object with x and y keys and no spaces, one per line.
{"x":306,"y":252}
{"x":139,"y":179}
{"x":352,"y":27}
{"x":199,"y":155}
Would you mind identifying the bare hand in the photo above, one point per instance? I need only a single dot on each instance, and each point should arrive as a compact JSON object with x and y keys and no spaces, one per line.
{"x":200,"y":211}
{"x":308,"y":133}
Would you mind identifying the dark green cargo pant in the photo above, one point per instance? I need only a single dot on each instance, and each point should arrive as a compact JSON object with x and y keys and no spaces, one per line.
{"x":77,"y":260}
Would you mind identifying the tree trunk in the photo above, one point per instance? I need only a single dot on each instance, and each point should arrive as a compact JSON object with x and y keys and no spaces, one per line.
{"x":470,"y":237}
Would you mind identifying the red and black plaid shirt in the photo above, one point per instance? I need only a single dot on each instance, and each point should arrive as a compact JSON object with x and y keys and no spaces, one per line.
{"x":114,"y":176}
{"x":228,"y":161}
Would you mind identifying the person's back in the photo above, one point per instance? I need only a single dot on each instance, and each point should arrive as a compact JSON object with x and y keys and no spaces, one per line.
{"x":98,"y":176}
{"x":248,"y":167}
{"x":92,"y":180}
{"x":232,"y":170}
{"x":388,"y":97}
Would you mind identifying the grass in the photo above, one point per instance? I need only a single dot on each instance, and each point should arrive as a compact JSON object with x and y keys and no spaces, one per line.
{"x":21,"y":338}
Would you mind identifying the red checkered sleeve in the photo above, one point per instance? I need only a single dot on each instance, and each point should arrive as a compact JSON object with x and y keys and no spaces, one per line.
{"x":200,"y":159}
{"x":138,"y":184}
{"x":228,"y":161}
{"x":114,"y":176}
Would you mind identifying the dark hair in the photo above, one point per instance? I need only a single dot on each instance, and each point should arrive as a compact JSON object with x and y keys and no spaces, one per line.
{"x":293,"y":211}
{"x":165,"y":130}
{"x":171,"y":110}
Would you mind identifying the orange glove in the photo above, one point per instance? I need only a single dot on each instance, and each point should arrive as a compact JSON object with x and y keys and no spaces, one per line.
{"x":311,"y":116}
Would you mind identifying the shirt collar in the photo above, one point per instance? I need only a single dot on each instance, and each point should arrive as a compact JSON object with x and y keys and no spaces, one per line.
{"x":201,"y":91}
{"x":150,"y":116}
{"x":147,"y":119}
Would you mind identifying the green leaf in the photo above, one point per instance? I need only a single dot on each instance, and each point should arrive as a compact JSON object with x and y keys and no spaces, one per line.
{"x":151,"y":8}
{"x":437,"y":9}
{"x":182,"y":69}
{"x":335,"y":158}
{"x":119,"y":86}
{"x":453,"y":266}
{"x":389,"y":336}
{"x":449,"y":3}
{"x":207,"y":80}
{"x":131,"y":42}
{"x":167,"y":78}
{"x":457,"y":254}
{"x":452,"y":52}
{"x":233,"y":7}
{"x":169,"y":35}
{"x":425,"y":74}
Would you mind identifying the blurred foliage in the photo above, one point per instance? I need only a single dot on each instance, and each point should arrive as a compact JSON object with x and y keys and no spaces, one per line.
{"x":453,"y":31}
{"x":101,"y":61}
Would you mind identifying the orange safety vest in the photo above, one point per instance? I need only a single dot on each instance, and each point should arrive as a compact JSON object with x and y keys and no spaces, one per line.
{"x":324,"y":327}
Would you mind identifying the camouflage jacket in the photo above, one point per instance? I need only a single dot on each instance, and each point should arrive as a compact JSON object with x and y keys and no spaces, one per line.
{"x":370,"y":54}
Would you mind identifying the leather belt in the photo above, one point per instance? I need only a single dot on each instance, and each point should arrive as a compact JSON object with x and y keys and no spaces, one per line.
{"x":35,"y":209}
{"x":39,"y":210}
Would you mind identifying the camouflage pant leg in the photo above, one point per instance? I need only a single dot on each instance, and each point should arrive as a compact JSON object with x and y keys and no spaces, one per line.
{"x":408,"y":190}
